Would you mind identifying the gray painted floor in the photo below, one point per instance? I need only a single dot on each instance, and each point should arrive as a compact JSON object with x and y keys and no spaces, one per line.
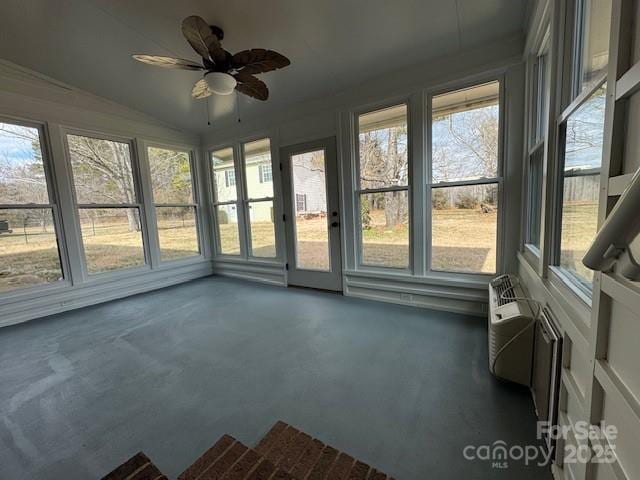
{"x":402,"y":388}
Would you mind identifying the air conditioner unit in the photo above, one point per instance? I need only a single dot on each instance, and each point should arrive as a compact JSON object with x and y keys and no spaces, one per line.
{"x":511,"y":331}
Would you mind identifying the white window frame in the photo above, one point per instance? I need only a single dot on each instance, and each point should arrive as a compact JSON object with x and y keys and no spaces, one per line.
{"x":53,"y":205}
{"x":246,"y":201}
{"x":140,"y":205}
{"x":574,"y":284}
{"x":498,"y":180}
{"x":154,"y":239}
{"x":538,"y":134}
{"x":357,"y":191}
{"x":237,"y":202}
{"x":242,"y":201}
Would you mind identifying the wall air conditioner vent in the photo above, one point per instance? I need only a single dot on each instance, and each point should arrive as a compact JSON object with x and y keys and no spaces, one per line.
{"x":510,"y":329}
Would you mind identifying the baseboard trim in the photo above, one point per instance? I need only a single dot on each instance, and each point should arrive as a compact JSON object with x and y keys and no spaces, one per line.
{"x":83,"y":296}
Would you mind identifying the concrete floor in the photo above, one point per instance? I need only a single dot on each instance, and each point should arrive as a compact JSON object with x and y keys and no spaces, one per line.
{"x":168,"y":372}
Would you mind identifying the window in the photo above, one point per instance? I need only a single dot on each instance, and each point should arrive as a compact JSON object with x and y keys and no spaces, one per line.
{"x":174,"y":200}
{"x":107,"y":202}
{"x":301,"y":202}
{"x":266,"y":175}
{"x":583,"y":134}
{"x":229,"y":178}
{"x":29,"y":252}
{"x":538,"y":120}
{"x":465,"y":153}
{"x":225,"y":199}
{"x":383,"y":185}
{"x":259,"y":201}
{"x":591,"y":42}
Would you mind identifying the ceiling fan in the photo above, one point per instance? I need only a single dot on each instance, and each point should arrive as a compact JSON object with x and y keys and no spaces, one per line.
{"x":223,"y":72}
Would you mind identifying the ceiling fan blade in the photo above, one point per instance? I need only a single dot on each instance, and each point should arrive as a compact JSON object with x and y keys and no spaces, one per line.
{"x":259,"y":60}
{"x":200,"y":89}
{"x":168,"y":62}
{"x":251,"y":86}
{"x":202,"y":39}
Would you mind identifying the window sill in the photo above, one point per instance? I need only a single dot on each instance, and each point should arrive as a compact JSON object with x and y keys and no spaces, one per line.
{"x":567,"y":285}
{"x":479,"y":282}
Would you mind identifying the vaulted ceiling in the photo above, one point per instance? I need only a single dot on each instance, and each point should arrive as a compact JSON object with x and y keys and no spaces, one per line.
{"x":332,"y":44}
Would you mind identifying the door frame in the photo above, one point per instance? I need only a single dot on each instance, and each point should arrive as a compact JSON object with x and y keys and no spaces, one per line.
{"x":323,"y":280}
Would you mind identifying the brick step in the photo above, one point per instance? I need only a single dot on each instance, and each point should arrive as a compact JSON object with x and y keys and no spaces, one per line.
{"x":138,"y":467}
{"x":229,"y":459}
{"x":307,"y":458}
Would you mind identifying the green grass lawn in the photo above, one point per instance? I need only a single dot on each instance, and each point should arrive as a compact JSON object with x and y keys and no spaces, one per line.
{"x":463,"y":240}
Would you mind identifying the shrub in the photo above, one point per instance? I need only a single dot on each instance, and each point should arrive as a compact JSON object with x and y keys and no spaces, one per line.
{"x":365,"y":214}
{"x":439,"y":201}
{"x":467,"y":201}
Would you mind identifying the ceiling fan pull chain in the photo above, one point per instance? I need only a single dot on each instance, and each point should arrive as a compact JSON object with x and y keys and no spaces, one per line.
{"x":208,"y":110}
{"x":238,"y":107}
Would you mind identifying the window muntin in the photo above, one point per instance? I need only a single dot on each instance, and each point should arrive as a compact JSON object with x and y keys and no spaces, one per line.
{"x":29,"y":250}
{"x":465,"y":132}
{"x":259,"y":199}
{"x":465,"y":152}
{"x":464,"y":228}
{"x":593,"y":24}
{"x":173,"y":196}
{"x":225,"y":198}
{"x":382,"y":196}
{"x":107,"y":203}
{"x":583,"y":146}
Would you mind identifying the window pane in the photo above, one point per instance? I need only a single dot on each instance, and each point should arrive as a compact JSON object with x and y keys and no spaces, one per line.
{"x":535,"y":197}
{"x":579,"y":224}
{"x":585,"y":134}
{"x":170,"y":176}
{"x":464,"y":231}
{"x":384,"y":220}
{"x":227,"y":216}
{"x":263,"y":235}
{"x":22,"y":177}
{"x":465,"y":136}
{"x":310,"y":194}
{"x":177,"y":232}
{"x":257,"y":161}
{"x":28,"y":249}
{"x":112,"y":238}
{"x":383,"y":148}
{"x":595,"y":47}
{"x":102,"y":171}
{"x":224,"y":175}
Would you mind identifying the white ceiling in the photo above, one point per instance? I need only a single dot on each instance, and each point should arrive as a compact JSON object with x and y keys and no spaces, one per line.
{"x":332,"y":44}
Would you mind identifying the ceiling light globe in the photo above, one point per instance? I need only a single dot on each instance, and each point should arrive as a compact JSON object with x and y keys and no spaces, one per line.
{"x":220,"y":83}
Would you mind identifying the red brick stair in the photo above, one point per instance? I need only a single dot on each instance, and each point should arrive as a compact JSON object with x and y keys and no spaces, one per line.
{"x":285,"y":453}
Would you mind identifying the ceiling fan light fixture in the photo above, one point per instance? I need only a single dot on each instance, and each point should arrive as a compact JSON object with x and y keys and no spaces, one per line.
{"x":220,"y":83}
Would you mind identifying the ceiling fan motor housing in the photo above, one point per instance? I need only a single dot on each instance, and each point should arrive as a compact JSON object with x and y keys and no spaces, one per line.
{"x":217,"y":31}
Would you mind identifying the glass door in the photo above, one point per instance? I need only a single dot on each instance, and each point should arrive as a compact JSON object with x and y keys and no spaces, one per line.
{"x":312,"y":219}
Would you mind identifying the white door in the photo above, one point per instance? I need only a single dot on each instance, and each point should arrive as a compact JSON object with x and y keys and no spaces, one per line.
{"x":312,"y":218}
